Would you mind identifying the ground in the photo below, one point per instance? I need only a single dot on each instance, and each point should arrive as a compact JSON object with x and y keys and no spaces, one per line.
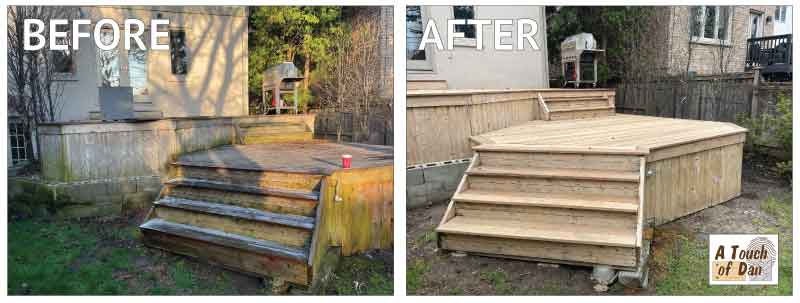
{"x":678,"y":264}
{"x":105,"y":256}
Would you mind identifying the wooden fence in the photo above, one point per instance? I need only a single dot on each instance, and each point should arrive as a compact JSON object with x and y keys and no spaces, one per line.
{"x":703,"y":98}
{"x":378,"y":130}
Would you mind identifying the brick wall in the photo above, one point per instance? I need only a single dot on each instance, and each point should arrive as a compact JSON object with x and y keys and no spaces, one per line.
{"x":711,"y":58}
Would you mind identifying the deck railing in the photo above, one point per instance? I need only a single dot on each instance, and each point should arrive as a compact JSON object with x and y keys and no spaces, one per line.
{"x":770,"y":50}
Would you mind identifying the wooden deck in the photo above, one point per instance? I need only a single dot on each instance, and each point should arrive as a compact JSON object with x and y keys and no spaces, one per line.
{"x":613,"y":132}
{"x":313,"y":157}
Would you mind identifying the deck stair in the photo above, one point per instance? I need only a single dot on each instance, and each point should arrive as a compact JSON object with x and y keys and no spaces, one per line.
{"x":573,"y":205}
{"x":563,"y":107}
{"x":272,"y":132}
{"x":256,"y":221}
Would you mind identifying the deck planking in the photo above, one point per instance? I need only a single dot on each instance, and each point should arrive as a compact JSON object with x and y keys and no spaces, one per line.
{"x":314,"y":157}
{"x":618,"y":131}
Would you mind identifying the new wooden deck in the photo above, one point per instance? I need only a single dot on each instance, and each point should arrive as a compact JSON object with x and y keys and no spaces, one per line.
{"x":617,"y":131}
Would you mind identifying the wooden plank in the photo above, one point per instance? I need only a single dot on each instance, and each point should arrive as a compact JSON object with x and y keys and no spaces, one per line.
{"x":221,"y":186}
{"x":693,"y":147}
{"x":259,"y":264}
{"x":565,"y":217}
{"x":270,"y":203}
{"x":289,"y":236}
{"x":540,"y":185}
{"x":571,"y":201}
{"x":580,"y":109}
{"x":238,"y":212}
{"x":561,"y":149}
{"x":286,"y":181}
{"x":225,"y":239}
{"x":640,"y":210}
{"x":545,"y":109}
{"x":547,"y":173}
{"x":561,"y":233}
{"x":592,"y":161}
{"x":556,"y":252}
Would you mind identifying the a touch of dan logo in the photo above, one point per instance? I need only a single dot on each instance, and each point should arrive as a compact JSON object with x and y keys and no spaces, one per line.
{"x":743,"y":259}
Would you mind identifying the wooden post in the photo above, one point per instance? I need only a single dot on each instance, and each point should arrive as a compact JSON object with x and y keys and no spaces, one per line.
{"x":754,"y":96}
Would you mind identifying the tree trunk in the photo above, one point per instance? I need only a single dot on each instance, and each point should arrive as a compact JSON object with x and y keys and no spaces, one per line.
{"x":307,"y":70}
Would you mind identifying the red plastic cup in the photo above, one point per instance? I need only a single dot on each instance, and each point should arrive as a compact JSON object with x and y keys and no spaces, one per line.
{"x":346,"y":161}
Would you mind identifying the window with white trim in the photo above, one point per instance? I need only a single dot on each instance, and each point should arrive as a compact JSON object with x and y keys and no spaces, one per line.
{"x":17,"y":142}
{"x":710,"y":23}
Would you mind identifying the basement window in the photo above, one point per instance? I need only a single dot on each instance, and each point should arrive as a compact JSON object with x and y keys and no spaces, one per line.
{"x":709,"y":24}
{"x":178,"y":52}
{"x":17,"y":142}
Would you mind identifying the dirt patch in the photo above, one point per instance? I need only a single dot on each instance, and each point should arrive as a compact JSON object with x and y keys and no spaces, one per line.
{"x":431,"y":272}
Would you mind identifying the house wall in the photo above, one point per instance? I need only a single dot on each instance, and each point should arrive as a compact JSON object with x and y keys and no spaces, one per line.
{"x":466,"y":67}
{"x":216,"y":82}
{"x":710,"y":58}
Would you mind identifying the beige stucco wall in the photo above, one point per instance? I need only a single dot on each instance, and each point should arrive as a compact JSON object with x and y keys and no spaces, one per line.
{"x":216,"y":82}
{"x":710,"y":58}
{"x":466,"y":67}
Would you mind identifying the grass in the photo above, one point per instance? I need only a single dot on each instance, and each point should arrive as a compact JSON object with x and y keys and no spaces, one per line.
{"x":683,"y":268}
{"x":95,"y":257}
{"x":359,"y":275}
{"x":498,"y":280}
{"x":415,"y":275}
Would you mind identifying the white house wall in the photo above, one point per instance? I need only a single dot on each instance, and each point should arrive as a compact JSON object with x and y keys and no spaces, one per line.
{"x":466,"y":67}
{"x":216,"y":81}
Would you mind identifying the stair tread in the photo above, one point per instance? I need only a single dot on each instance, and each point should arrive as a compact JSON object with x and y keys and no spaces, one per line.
{"x":572,"y":201}
{"x":561,"y":149}
{"x":583,"y":174}
{"x":238,"y":212}
{"x":569,"y":99}
{"x":224,"y":239}
{"x":192,"y":182}
{"x":577,"y":109}
{"x":564,"y":233}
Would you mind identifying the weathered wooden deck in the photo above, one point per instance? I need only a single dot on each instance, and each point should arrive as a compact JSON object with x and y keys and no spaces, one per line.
{"x":313,"y":157}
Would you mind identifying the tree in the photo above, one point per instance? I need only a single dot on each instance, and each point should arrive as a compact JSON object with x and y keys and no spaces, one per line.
{"x":36,"y":77}
{"x":299,"y":34}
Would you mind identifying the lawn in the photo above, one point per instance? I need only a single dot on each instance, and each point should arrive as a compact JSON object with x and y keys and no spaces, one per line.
{"x":683,"y":268}
{"x":106,"y":257}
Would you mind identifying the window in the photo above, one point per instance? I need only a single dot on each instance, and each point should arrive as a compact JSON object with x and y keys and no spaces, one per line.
{"x":780,"y":13}
{"x":414,"y":30}
{"x":709,"y":23}
{"x":17,"y":142}
{"x":137,"y":69}
{"x":63,"y":60}
{"x":464,"y":13}
{"x":108,"y":61}
{"x":178,"y":52}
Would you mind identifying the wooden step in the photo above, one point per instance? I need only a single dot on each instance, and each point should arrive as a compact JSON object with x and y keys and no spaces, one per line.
{"x":262,"y":229}
{"x":266,"y":179}
{"x":555,"y":200}
{"x":238,"y":212}
{"x":578,"y":109}
{"x":222,"y":186}
{"x":225,"y":239}
{"x":548,"y":160}
{"x":581,"y":114}
{"x":571,"y":99}
{"x":270,"y":130}
{"x":562,"y":233}
{"x":552,"y":185}
{"x":547,"y":173}
{"x":241,"y":253}
{"x":277,"y":138}
{"x":255,"y":198}
{"x":556,"y":106}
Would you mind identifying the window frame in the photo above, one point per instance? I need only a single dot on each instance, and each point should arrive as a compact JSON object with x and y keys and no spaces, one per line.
{"x":422,"y":66}
{"x":715,"y":39}
{"x":16,"y":131}
{"x":466,"y":41}
{"x":186,"y":55}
